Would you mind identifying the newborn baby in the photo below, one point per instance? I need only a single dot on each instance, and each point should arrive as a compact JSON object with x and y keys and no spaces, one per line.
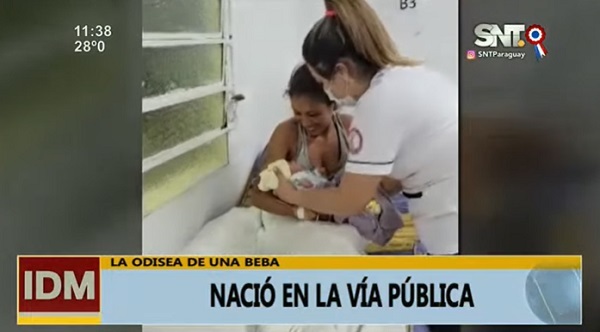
{"x":301,"y":179}
{"x":307,"y":179}
{"x":313,"y":178}
{"x":378,"y":223}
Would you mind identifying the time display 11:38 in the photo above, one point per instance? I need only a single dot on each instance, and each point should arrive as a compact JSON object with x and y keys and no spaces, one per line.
{"x":85,"y":31}
{"x":93,"y":31}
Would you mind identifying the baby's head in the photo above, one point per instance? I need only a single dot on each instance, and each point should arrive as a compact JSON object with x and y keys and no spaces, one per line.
{"x":303,"y":180}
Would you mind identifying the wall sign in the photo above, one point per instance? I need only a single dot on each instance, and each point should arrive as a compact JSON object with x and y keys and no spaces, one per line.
{"x":408,"y":4}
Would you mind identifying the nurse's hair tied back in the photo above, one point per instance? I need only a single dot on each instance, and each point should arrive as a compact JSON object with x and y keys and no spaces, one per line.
{"x":350,"y":29}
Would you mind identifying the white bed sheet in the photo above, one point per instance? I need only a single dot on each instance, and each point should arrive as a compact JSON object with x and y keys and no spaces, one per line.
{"x":250,"y":231}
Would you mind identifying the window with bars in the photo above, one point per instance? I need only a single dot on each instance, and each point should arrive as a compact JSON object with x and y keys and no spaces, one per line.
{"x":186,"y":88}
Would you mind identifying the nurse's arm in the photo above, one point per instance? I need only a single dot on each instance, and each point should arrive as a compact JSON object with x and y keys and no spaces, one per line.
{"x":349,"y":198}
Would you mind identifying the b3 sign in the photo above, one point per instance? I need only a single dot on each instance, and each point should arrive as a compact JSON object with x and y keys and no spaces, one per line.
{"x":509,"y":35}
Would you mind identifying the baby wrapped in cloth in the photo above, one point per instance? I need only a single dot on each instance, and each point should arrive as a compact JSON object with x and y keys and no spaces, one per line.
{"x":378,"y":223}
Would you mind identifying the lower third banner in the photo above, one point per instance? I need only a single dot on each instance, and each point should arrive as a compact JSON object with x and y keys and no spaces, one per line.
{"x":233,"y":290}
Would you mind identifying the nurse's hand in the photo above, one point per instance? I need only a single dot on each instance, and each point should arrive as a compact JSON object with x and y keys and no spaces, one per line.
{"x":285,"y":190}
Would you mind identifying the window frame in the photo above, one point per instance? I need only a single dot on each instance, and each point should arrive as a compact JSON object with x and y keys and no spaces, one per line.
{"x":179,"y":96}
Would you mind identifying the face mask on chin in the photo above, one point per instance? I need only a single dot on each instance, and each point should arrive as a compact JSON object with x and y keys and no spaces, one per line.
{"x":344,"y":102}
{"x":347,"y":101}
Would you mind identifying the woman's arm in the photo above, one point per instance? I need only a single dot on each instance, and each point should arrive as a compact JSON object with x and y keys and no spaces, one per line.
{"x":267,"y":202}
{"x":278,"y":148}
{"x":350,"y":198}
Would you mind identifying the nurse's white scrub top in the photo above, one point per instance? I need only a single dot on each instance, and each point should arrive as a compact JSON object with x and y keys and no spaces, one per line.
{"x":406,"y":126}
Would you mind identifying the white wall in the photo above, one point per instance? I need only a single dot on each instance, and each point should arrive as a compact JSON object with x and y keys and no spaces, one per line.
{"x":268,"y":36}
{"x":428,"y":32}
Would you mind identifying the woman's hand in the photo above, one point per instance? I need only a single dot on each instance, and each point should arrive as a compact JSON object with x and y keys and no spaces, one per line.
{"x":285,"y":190}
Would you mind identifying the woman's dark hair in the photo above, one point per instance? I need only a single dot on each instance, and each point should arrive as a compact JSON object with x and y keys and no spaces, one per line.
{"x":303,"y":84}
{"x":350,"y":30}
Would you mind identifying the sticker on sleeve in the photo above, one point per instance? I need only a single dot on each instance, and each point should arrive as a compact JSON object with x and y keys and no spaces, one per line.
{"x":355,"y":141}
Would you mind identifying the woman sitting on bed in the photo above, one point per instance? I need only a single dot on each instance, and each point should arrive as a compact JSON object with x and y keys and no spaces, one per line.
{"x":313,"y":139}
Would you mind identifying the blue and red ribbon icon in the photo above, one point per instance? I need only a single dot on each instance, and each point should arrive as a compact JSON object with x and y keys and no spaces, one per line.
{"x":535,"y":35}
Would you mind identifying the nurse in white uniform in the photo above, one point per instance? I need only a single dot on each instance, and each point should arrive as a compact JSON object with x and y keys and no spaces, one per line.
{"x":405,"y":124}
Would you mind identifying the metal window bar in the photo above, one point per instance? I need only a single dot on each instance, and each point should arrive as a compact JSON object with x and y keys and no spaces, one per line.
{"x":181,"y":35}
{"x":155,"y":39}
{"x":231,"y":105}
{"x":182,"y":148}
{"x":179,"y":96}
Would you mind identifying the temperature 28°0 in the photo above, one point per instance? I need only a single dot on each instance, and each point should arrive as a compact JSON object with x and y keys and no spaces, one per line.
{"x":87,"y":46}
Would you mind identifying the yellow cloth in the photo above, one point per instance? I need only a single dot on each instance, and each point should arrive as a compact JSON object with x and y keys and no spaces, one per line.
{"x":268,"y":179}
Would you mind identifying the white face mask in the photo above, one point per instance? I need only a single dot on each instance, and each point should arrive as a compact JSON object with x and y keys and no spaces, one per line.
{"x":347,"y":101}
{"x":344,"y":102}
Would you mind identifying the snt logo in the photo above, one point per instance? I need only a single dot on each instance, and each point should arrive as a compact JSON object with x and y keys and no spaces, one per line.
{"x":487,"y":36}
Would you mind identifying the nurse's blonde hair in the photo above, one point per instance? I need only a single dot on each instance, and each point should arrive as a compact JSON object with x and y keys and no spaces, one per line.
{"x":351,"y":29}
